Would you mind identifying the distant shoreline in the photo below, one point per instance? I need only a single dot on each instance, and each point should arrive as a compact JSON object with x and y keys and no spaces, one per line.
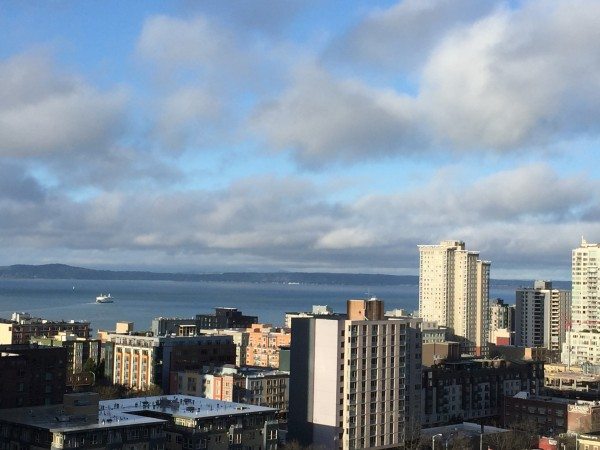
{"x":66,"y":272}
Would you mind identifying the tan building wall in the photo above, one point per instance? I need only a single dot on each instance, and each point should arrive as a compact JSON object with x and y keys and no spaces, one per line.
{"x":454,"y":292}
{"x":263,"y":346}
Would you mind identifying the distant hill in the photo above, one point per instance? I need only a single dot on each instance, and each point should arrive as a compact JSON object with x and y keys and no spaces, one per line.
{"x":65,"y":272}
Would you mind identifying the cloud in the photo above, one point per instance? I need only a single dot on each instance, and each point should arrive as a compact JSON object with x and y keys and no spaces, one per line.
{"x":400,"y":37}
{"x":45,"y":112}
{"x":488,"y":79}
{"x":322,"y":120}
{"x":277,"y":223}
{"x":517,"y":77}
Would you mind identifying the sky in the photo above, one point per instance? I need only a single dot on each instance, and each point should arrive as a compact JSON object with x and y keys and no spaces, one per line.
{"x":298,"y":135}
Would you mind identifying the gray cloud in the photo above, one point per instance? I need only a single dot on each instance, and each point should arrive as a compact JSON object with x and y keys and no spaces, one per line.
{"x":517,"y":77}
{"x":400,"y":37}
{"x":266,"y":223}
{"x":46,"y":112}
{"x":322,"y":119}
{"x":491,"y":80}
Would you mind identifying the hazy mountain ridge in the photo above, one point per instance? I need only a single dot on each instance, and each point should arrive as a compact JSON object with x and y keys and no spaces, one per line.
{"x":63,"y":271}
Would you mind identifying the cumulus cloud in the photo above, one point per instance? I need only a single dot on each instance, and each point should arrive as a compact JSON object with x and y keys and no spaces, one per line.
{"x":322,"y":119}
{"x":489,"y":78}
{"x":517,"y":77}
{"x":401,"y":36}
{"x":287,"y":223}
{"x":43,"y":111}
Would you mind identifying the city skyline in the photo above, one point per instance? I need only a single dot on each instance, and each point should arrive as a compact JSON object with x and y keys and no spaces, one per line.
{"x":303,"y":136}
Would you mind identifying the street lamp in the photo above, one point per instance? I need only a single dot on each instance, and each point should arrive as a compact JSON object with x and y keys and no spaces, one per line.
{"x":433,"y":440}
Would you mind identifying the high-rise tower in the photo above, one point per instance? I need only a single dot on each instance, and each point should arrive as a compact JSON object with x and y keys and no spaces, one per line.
{"x":355,"y":382}
{"x":583,"y":342}
{"x":454,"y":292}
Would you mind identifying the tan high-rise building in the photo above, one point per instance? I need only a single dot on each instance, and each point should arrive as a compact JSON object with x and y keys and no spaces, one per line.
{"x":583,"y":342}
{"x":454,"y":292}
{"x":356,"y":382}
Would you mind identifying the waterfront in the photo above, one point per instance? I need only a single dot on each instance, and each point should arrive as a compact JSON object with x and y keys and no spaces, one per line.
{"x":141,"y":301}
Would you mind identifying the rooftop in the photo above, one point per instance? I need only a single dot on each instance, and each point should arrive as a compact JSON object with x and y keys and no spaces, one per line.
{"x":128,"y":412}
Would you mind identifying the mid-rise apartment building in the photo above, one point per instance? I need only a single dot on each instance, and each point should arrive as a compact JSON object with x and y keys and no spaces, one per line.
{"x":222,"y":318}
{"x":582,"y":343}
{"x":21,"y":327}
{"x":31,"y":375}
{"x":150,"y":423}
{"x":501,"y":323}
{"x":474,"y":389}
{"x":141,"y":361}
{"x":454,"y":292}
{"x":79,"y":350}
{"x":252,"y":385}
{"x":355,"y":382}
{"x":264,"y":342}
{"x":542,"y":316}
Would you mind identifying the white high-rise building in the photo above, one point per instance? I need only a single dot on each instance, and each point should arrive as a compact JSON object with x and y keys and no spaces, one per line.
{"x":454,"y":292}
{"x":583,"y":342}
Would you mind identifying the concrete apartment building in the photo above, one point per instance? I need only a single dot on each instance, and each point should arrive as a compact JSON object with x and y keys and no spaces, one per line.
{"x":475,"y":389}
{"x":264,"y":342}
{"x":79,"y":350}
{"x":21,"y":327}
{"x":355,"y":382}
{"x":501,"y":323}
{"x":252,"y":385}
{"x":582,"y":343}
{"x":542,"y":316}
{"x":141,"y":361}
{"x":221,"y":319}
{"x":454,"y":292}
{"x":148,"y":423}
{"x":31,"y":375}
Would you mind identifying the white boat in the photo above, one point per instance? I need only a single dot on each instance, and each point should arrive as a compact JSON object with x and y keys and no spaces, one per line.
{"x":104,"y":298}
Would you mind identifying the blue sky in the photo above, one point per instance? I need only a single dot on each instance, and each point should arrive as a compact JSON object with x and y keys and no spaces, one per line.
{"x":288,"y":135}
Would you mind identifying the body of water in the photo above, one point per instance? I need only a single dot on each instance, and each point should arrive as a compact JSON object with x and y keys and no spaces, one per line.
{"x":141,"y":301}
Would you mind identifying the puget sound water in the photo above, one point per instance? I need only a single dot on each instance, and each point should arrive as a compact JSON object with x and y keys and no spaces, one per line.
{"x":141,"y":301}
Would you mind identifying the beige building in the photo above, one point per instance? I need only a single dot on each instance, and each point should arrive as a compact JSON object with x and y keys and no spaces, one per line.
{"x":264,"y":342}
{"x":22,"y":327}
{"x":454,"y":292}
{"x":583,"y":342}
{"x":356,"y":382}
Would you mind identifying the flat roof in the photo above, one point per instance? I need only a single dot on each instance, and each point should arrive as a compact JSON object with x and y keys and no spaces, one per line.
{"x":127,"y":412}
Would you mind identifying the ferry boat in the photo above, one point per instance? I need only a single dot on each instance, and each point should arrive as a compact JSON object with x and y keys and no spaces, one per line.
{"x":104,"y":298}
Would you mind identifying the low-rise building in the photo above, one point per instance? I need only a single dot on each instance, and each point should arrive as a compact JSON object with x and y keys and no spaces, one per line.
{"x":151,"y":423}
{"x":22,"y":327}
{"x":31,"y":375}
{"x":535,"y":413}
{"x":253,"y":385}
{"x":317,"y":311}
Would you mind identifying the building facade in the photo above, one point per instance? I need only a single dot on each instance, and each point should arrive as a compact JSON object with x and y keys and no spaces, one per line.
{"x":454,"y":292}
{"x":251,"y":385}
{"x":354,"y":383}
{"x":542,"y":316}
{"x":148,"y":423}
{"x":142,"y":361}
{"x":22,"y":327}
{"x":264,"y":342}
{"x":79,"y":350}
{"x":465,"y":390}
{"x":582,"y":342}
{"x":31,"y":375}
